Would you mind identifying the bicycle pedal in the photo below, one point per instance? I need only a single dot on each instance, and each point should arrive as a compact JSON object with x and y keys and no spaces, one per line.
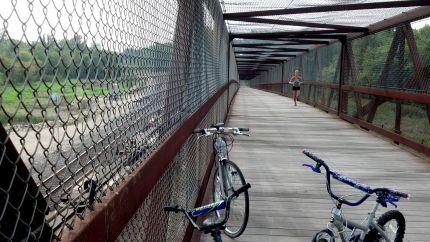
{"x":233,"y":173}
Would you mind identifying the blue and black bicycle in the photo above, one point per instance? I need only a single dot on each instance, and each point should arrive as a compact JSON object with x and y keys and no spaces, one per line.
{"x":389,"y":227}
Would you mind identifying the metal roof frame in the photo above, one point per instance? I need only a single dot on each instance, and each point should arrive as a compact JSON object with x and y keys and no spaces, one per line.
{"x":314,"y":34}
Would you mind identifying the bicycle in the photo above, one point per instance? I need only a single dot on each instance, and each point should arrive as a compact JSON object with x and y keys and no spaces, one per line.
{"x":212,"y":225}
{"x":227,"y":176}
{"x":389,"y":227}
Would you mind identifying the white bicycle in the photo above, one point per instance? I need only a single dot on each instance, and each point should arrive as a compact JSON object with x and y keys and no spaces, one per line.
{"x":228,"y":177}
{"x":390,"y":226}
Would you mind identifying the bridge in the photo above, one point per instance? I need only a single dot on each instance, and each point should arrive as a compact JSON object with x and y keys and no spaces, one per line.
{"x":98,"y":101}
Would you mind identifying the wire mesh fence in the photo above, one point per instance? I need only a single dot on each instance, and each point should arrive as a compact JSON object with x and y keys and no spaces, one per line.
{"x":386,"y":78}
{"x":319,"y":66}
{"x":88,"y":89}
{"x":394,"y":59}
{"x":178,"y":186}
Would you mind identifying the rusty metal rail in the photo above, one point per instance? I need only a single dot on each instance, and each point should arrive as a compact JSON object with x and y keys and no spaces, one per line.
{"x":107,"y":221}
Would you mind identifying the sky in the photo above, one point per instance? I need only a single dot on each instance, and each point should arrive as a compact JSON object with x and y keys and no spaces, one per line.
{"x":117,"y":21}
{"x":420,"y":23}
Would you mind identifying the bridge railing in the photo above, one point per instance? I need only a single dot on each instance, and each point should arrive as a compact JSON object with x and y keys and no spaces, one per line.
{"x":97,"y":101}
{"x":383,"y":81}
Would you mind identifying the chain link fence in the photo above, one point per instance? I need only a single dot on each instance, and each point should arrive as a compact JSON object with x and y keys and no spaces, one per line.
{"x":395,"y":60}
{"x":178,"y":186}
{"x":319,"y":66}
{"x":88,"y":89}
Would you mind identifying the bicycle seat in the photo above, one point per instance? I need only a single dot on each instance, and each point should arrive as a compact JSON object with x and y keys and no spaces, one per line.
{"x":209,"y":222}
{"x":217,"y":125}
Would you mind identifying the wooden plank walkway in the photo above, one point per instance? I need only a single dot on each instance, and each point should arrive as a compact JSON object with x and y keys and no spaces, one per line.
{"x":288,"y":201}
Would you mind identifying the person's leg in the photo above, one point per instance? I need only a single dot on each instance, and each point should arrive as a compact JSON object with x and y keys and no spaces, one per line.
{"x":295,"y":97}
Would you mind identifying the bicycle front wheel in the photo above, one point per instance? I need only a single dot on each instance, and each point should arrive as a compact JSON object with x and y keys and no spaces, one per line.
{"x":239,"y":207}
{"x":393,"y":224}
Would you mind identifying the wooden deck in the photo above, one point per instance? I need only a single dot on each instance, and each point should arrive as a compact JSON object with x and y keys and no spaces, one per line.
{"x":288,"y":201}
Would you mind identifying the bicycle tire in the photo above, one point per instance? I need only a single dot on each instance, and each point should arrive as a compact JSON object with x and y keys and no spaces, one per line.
{"x":324,"y":235}
{"x":373,"y":235}
{"x":229,"y":231}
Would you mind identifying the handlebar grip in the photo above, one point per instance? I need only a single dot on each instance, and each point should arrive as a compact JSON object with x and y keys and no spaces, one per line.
{"x":401,"y":194}
{"x":198,"y":131}
{"x":313,"y":157}
{"x":242,"y":189}
{"x":217,"y":125}
{"x":243,"y":129}
{"x":171,"y":209}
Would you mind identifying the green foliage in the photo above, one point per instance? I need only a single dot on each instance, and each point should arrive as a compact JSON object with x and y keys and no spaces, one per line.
{"x":370,"y":55}
{"x":48,"y":58}
{"x":422,"y":37}
{"x":30,"y":72}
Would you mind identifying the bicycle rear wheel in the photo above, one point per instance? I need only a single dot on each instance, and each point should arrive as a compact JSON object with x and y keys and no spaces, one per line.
{"x":239,"y":207}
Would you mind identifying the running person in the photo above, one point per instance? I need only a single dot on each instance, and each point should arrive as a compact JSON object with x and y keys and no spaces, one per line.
{"x":295,"y":81}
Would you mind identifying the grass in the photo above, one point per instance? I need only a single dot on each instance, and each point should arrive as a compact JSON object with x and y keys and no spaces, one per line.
{"x":30,"y":102}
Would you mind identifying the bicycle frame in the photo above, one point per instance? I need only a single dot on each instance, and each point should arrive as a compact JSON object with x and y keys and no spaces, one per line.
{"x":221,"y":155}
{"x":339,"y":222}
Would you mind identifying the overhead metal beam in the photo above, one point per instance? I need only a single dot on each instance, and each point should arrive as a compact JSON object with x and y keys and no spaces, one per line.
{"x":253,"y":57}
{"x":309,"y":41}
{"x":258,"y":65}
{"x":254,"y":64}
{"x":281,"y":55}
{"x":253,"y":70}
{"x":291,"y":39}
{"x":418,"y":13}
{"x":328,"y":8}
{"x":274,"y":49}
{"x":303,"y":24}
{"x":248,"y":56}
{"x":266,"y":56}
{"x":275,"y":59}
{"x":260,"y":61}
{"x":316,"y":34}
{"x":292,"y":42}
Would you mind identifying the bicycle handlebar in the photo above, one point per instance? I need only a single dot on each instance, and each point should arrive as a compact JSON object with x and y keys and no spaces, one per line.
{"x":209,"y":208}
{"x":172,"y":209}
{"x":198,"y":131}
{"x":220,"y":130}
{"x":384,"y":194}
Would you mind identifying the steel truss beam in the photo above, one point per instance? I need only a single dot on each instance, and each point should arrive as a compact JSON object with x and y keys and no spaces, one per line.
{"x":303,"y":24}
{"x":316,"y":34}
{"x":328,"y":8}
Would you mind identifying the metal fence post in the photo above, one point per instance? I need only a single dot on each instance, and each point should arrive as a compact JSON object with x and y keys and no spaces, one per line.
{"x":343,"y":47}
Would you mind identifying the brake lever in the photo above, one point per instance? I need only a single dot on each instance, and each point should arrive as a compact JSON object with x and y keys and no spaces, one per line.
{"x":393,"y":203}
{"x":390,"y":202}
{"x":206,"y":134}
{"x":314,"y":169}
{"x":200,"y":135}
{"x":236,"y":131}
